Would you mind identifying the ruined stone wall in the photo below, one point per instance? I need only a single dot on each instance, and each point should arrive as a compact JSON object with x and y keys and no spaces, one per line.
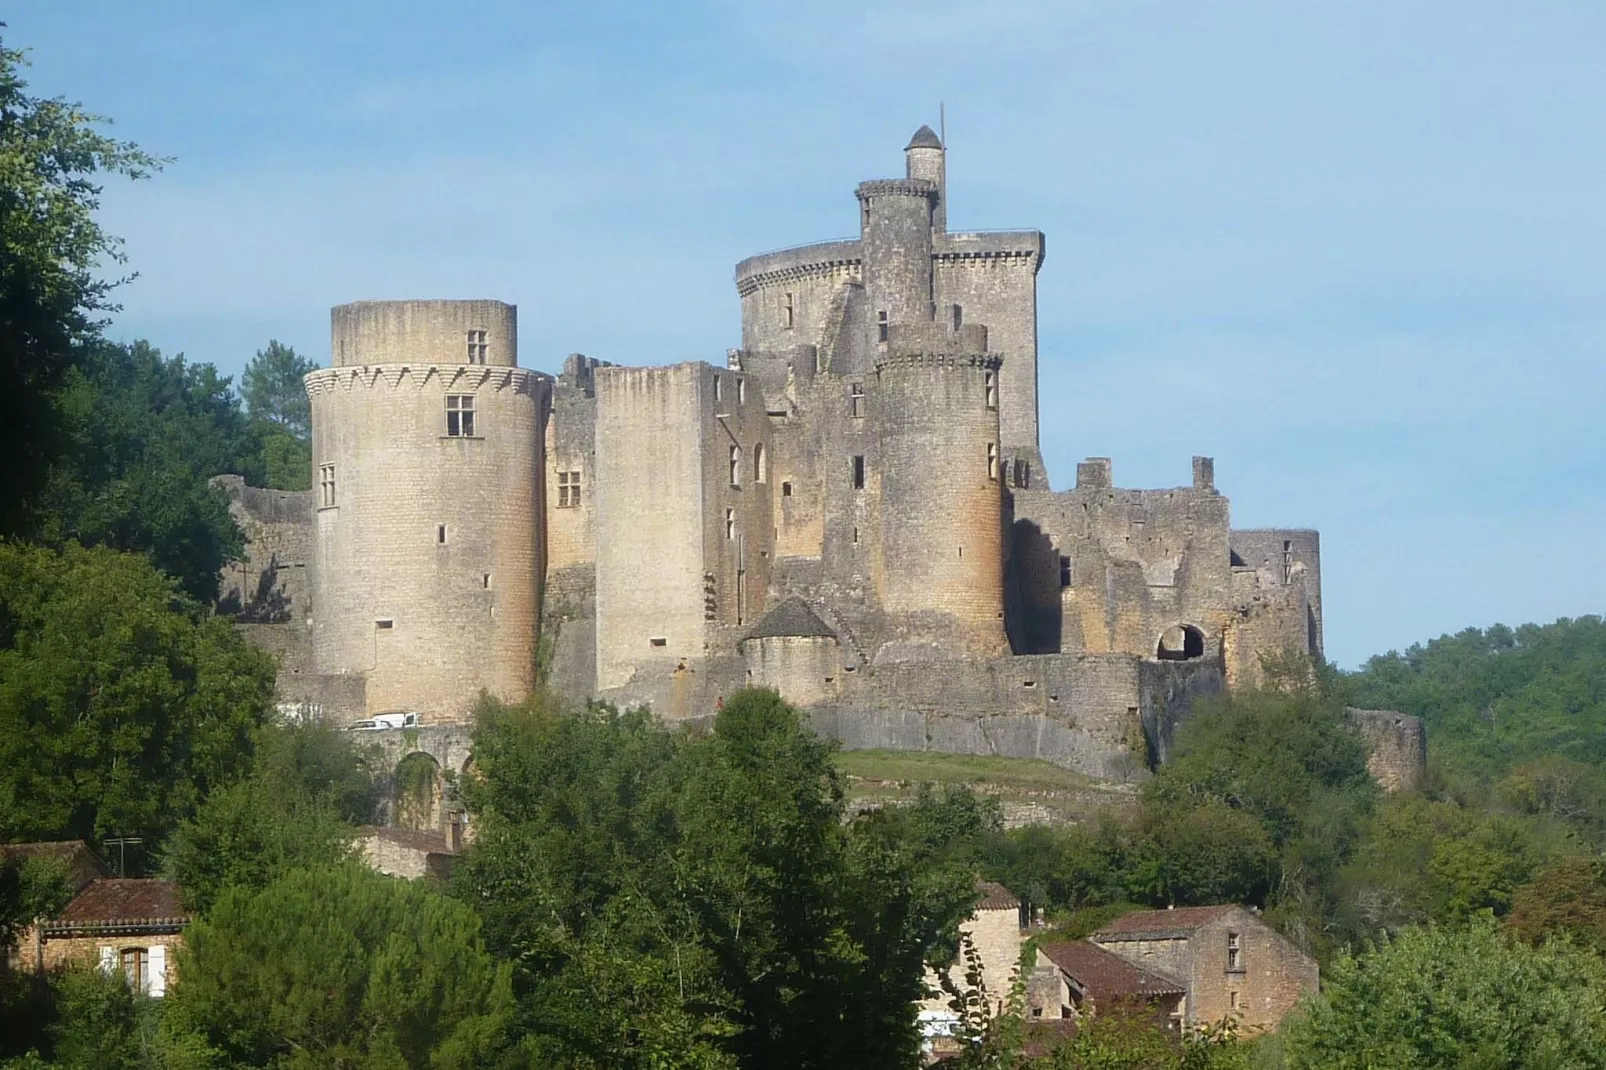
{"x":428,"y":556}
{"x":1266,"y":625}
{"x":1286,"y":557}
{"x":423,"y":332}
{"x":738,"y":521}
{"x":1397,"y":746}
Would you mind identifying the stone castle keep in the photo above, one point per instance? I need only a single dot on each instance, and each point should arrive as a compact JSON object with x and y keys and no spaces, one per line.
{"x":852,"y":508}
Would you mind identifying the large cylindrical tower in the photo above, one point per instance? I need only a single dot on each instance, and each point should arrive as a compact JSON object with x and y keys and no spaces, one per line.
{"x":427,"y":445}
{"x":895,"y":214}
{"x":942,"y":493}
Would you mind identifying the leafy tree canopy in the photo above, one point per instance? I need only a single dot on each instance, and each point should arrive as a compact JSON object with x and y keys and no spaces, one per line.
{"x":273,"y":389}
{"x":121,"y":704}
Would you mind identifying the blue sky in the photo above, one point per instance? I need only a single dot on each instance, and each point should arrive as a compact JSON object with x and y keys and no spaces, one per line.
{"x":1354,"y":250}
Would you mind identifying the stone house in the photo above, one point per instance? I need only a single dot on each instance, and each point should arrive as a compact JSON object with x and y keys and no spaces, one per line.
{"x":991,"y":938}
{"x":118,"y":924}
{"x":1077,"y":979}
{"x":1227,"y":962}
{"x":78,"y":866}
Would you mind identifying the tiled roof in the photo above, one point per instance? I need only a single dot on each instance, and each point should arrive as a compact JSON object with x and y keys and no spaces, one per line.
{"x":1161,"y":924}
{"x":791,"y":617}
{"x":428,"y":840}
{"x":925,"y":138}
{"x":118,"y":901}
{"x":1104,"y":974}
{"x":996,"y":897}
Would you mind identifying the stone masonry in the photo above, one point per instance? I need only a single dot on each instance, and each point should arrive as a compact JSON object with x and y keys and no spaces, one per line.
{"x":852,"y":508}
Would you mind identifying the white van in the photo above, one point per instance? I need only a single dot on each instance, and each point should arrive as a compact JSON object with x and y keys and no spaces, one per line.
{"x":385,"y":722}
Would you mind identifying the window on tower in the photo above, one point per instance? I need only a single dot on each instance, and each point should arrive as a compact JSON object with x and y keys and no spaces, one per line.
{"x":476,"y":347}
{"x":991,"y":386}
{"x":856,"y":400}
{"x":858,"y":471}
{"x":460,"y":415}
{"x":326,"y":485}
{"x":736,"y":466}
{"x":992,"y":461}
{"x":881,"y":326}
{"x":568,"y":490}
{"x":788,"y":313}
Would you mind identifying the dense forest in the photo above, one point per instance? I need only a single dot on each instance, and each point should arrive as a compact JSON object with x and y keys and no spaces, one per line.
{"x":640,"y":896}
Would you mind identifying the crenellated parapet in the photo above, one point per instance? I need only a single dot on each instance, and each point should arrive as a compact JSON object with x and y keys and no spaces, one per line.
{"x":445,"y":377}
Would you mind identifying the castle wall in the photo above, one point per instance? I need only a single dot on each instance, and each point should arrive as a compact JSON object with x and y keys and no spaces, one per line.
{"x":1397,"y":747}
{"x":1286,"y":557}
{"x":423,"y":332}
{"x":811,"y":275}
{"x":428,"y":559}
{"x":571,"y":465}
{"x":805,"y":669}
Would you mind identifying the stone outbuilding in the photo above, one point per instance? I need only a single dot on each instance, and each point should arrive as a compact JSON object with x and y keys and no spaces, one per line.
{"x":1079,"y":979}
{"x":119,"y":924}
{"x":792,"y":650}
{"x":1227,"y":962}
{"x":991,"y":936}
{"x":410,"y":853}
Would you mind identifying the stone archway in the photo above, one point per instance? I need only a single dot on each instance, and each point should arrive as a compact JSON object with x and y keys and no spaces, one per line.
{"x":1180,"y":642}
{"x":418,"y":793}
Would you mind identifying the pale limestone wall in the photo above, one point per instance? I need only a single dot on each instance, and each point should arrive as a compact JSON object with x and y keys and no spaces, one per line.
{"x":1273,"y":976}
{"x":462,"y":611}
{"x":1286,"y":557}
{"x":806,"y":670}
{"x":1397,"y":746}
{"x":995,"y":935}
{"x":407,"y":861}
{"x":422,"y":332}
{"x":1269,"y":623}
{"x":571,"y":451}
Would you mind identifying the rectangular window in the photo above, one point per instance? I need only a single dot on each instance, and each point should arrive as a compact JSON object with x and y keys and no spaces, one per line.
{"x":858,"y":472}
{"x":384,"y":625}
{"x":568,"y":490}
{"x":992,"y":389}
{"x":786,"y":489}
{"x":476,"y":347}
{"x":736,"y":466}
{"x":326,"y":485}
{"x":1065,"y":572}
{"x":460,"y":415}
{"x":1023,"y":473}
{"x":730,"y":523}
{"x":440,"y":535}
{"x":1288,"y":562}
{"x":741,"y":391}
{"x":136,"y":967}
{"x":992,"y":461}
{"x":788,"y":313}
{"x":659,"y":640}
{"x":959,"y":317}
{"x":719,"y":389}
{"x":856,"y":400}
{"x":881,"y":326}
{"x":1235,"y":962}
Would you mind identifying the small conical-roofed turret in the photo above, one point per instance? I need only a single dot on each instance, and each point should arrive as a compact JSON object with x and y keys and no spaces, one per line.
{"x":924,"y":157}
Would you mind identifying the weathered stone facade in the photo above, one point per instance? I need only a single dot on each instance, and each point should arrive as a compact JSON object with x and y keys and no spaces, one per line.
{"x":870,"y":454}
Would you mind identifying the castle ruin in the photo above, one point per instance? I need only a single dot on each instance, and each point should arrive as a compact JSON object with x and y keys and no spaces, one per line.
{"x":852,"y":508}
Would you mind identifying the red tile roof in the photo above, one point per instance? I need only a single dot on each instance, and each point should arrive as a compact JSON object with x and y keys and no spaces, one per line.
{"x":1104,"y":974}
{"x":996,"y":897}
{"x":117,"y":901}
{"x":1161,"y":924}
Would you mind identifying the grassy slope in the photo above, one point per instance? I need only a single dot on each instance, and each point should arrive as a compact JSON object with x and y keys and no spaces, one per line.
{"x":1029,"y":789}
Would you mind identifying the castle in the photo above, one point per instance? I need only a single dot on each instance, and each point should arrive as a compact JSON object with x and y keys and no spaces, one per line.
{"x":852,"y":509}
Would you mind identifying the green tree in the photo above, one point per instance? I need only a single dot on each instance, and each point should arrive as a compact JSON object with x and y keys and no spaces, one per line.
{"x":121,"y":703}
{"x":341,"y":967}
{"x":1468,"y":997}
{"x":51,"y":249}
{"x":273,"y":389}
{"x":1566,"y":899}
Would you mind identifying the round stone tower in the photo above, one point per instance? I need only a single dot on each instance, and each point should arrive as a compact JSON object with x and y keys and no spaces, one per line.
{"x":895,"y":217}
{"x":925,"y":158}
{"x":427,"y":443}
{"x":942,"y":494}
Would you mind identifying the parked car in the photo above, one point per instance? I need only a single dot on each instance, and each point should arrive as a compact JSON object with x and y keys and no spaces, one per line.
{"x":385,"y":722}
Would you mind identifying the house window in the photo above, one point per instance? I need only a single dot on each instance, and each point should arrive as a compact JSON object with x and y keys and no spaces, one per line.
{"x":992,"y":461}
{"x":326,"y":485}
{"x":460,"y":415}
{"x":787,"y":313}
{"x":959,"y":317}
{"x":476,"y":347}
{"x":730,"y":523}
{"x":858,"y":471}
{"x":136,"y":963}
{"x":881,"y":326}
{"x":856,"y":400}
{"x":761,"y":471}
{"x":568,"y":490}
{"x":736,"y":466}
{"x":1232,"y":1000}
{"x":992,"y":388}
{"x":1235,"y":959}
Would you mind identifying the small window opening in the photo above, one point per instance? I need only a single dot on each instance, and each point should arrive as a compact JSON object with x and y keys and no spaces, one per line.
{"x":736,"y":466}
{"x":568,"y":490}
{"x":485,"y":581}
{"x":326,"y":485}
{"x":990,"y":382}
{"x":856,"y":400}
{"x":460,"y":415}
{"x":384,"y":625}
{"x":719,"y":388}
{"x":659,"y":640}
{"x":858,"y":471}
{"x":855,"y":536}
{"x":741,"y":391}
{"x":1023,"y":473}
{"x":761,"y":470}
{"x":1028,"y":683}
{"x":1234,"y":953}
{"x":136,"y":962}
{"x":881,"y":326}
{"x":992,"y":461}
{"x":786,"y":489}
{"x":440,"y":535}
{"x":1288,"y":562}
{"x":864,"y":215}
{"x":476,"y":347}
{"x":787,"y":313}
{"x":959,"y":317}
{"x":730,"y":523}
{"x":1065,"y":571}
{"x":1232,"y":1000}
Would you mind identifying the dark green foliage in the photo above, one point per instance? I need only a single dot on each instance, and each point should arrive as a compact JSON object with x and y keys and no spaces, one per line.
{"x":1566,"y":899}
{"x":51,"y":250}
{"x":341,"y":967}
{"x":121,"y":704}
{"x":29,"y":888}
{"x":700,"y":901}
{"x":295,"y":811}
{"x":273,"y":390}
{"x":1465,"y":997}
{"x":1495,"y":698}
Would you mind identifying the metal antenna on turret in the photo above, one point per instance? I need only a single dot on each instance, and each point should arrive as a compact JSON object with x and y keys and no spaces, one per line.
{"x":942,"y":123}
